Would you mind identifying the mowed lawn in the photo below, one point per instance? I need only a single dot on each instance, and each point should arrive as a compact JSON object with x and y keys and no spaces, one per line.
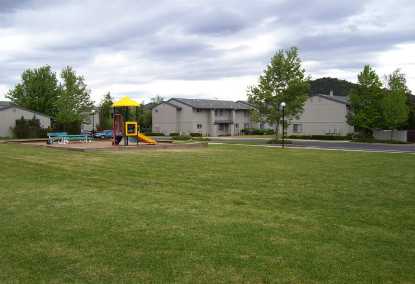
{"x":223,"y":214}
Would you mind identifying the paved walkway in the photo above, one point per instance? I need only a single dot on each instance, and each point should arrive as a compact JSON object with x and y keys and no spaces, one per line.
{"x":330,"y":145}
{"x":368,"y":147}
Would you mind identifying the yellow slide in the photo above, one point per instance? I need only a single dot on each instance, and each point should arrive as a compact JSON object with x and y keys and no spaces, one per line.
{"x":146,"y":139}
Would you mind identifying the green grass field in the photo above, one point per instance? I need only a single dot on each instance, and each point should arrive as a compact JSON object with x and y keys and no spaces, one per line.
{"x":223,"y":214}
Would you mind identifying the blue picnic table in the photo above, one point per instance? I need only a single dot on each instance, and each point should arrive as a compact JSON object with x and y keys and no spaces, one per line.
{"x":64,"y":137}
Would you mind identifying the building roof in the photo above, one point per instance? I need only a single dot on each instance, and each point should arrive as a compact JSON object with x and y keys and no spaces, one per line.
{"x":6,"y":105}
{"x":339,"y":99}
{"x":126,"y":102}
{"x":212,"y":104}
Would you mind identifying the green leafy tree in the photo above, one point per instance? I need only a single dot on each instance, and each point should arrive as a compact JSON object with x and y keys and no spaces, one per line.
{"x":366,"y":102}
{"x":157,"y":99}
{"x":283,"y":80}
{"x":105,"y":111}
{"x":411,"y":116}
{"x":395,"y":109}
{"x":38,"y":90}
{"x":74,"y":101}
{"x":145,"y":119}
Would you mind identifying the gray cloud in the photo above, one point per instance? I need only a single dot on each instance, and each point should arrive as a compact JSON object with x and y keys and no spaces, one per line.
{"x":139,"y":42}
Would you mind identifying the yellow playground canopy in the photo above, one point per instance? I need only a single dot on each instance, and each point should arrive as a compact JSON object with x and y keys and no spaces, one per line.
{"x":126,"y":102}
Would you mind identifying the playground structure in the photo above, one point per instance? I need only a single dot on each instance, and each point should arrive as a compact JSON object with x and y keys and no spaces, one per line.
{"x":125,"y":127}
{"x":123,"y":124}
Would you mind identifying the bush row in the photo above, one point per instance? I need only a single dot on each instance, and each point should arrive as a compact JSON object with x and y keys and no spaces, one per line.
{"x":181,"y":137}
{"x":196,"y":134}
{"x":153,"y":134}
{"x":321,"y":137}
{"x":29,"y":128}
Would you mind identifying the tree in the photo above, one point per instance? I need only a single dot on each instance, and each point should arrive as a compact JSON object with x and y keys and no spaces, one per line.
{"x":411,"y":117}
{"x":145,"y":118}
{"x":38,"y":90}
{"x":157,"y":99}
{"x":74,"y":100}
{"x":105,"y":119}
{"x":283,"y":80}
{"x":366,"y":102}
{"x":394,"y":104}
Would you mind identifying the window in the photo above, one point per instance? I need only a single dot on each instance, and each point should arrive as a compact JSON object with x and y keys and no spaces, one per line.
{"x":198,"y":110}
{"x":219,"y":112}
{"x":246,"y":125}
{"x":236,"y":125}
{"x":156,"y":110}
{"x":199,"y":126}
{"x":221,"y":127}
{"x":297,"y":128}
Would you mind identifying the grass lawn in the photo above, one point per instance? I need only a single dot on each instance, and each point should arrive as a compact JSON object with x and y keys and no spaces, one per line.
{"x":223,"y":214}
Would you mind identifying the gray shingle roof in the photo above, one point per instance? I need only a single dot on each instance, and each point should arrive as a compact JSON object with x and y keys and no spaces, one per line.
{"x":212,"y":104}
{"x":6,"y":105}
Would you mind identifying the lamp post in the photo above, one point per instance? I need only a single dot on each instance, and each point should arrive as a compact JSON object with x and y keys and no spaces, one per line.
{"x":93,"y":122}
{"x":283,"y":122}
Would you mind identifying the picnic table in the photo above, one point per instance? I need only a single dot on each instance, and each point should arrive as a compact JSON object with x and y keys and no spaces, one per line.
{"x":65,"y":138}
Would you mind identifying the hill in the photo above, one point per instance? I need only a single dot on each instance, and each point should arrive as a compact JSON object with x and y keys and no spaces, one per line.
{"x":325,"y":85}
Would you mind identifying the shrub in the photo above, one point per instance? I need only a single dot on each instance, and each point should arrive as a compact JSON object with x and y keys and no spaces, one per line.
{"x":269,"y":131}
{"x":257,"y":131}
{"x":174,"y":134}
{"x":153,"y":134}
{"x":29,"y":128}
{"x":321,"y":137}
{"x":195,"y":134}
{"x":73,"y":127}
{"x":182,"y":137}
{"x":200,"y":138}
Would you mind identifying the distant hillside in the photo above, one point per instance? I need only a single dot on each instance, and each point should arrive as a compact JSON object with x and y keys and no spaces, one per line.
{"x":325,"y":85}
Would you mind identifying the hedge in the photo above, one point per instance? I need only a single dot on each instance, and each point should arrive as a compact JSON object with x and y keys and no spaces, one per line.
{"x":257,"y":131}
{"x":181,"y":137}
{"x":29,"y":128}
{"x":196,"y":134}
{"x":153,"y":134}
{"x":321,"y":137}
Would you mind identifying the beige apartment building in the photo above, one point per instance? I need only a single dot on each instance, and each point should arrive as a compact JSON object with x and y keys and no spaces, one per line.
{"x":322,"y":115}
{"x":208,"y":117}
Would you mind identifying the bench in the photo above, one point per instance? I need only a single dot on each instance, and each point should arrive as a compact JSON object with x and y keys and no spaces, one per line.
{"x":56,"y":136}
{"x":64,"y":137}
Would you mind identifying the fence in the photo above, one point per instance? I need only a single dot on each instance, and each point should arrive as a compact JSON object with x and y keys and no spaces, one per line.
{"x":395,"y":135}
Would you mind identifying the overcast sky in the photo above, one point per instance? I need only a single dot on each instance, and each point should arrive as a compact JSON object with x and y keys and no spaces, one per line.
{"x":201,"y":49}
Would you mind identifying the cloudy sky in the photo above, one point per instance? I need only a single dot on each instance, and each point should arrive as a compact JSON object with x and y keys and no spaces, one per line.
{"x":201,"y":49}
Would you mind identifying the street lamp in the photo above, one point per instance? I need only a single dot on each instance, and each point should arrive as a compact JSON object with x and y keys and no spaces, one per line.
{"x":283,"y":122}
{"x":93,"y":122}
